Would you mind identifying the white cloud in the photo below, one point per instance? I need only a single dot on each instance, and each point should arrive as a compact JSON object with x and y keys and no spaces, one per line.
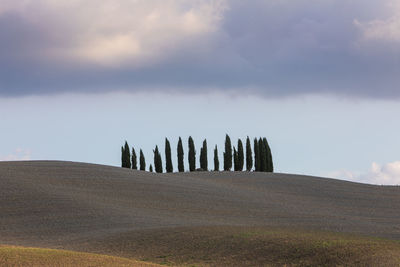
{"x":386,"y":174}
{"x":387,"y":29}
{"x":19,"y":154}
{"x":112,"y":32}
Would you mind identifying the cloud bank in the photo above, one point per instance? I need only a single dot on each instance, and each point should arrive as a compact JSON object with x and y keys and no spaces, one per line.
{"x":271,"y":48}
{"x":386,"y":174}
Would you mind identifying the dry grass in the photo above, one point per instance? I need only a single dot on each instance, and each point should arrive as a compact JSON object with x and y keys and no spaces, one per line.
{"x":20,"y":256}
{"x":249,"y":246}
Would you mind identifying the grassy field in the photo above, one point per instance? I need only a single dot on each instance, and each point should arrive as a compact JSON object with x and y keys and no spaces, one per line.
{"x":219,"y":246}
{"x":21,"y":256}
{"x":251,"y":246}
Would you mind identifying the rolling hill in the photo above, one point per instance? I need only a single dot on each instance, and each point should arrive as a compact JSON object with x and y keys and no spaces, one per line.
{"x":128,"y":213}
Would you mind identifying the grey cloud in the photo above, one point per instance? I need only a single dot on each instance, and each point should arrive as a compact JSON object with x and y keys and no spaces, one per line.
{"x":271,"y":48}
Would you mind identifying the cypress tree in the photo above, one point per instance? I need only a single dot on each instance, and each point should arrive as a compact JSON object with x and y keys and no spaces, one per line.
{"x":155,"y":158}
{"x":256,"y":155}
{"x":122,"y":157}
{"x":160,"y":170}
{"x":205,"y":151}
{"x":126,"y":156}
{"x":151,"y":168}
{"x":203,"y":156}
{"x":249,"y":156}
{"x":181,"y":166}
{"x":263,"y":158}
{"x":157,"y":161}
{"x":168,"y":161}
{"x":268,"y":156}
{"x":142,"y":161}
{"x":240,"y":153}
{"x":134,"y":159}
{"x":192,"y":155}
{"x":235,"y":160}
{"x":216,"y":160}
{"x":228,"y":154}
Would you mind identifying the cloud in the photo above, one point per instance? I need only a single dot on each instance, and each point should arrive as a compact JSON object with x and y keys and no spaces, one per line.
{"x":109,"y":33}
{"x":386,"y":174}
{"x":19,"y":154}
{"x":386,"y":29}
{"x":269,"y":48}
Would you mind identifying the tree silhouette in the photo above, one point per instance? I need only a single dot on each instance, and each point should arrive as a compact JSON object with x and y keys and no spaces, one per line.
{"x":235,"y":160}
{"x":216,"y":160}
{"x":263,"y":158}
{"x":126,"y":156}
{"x":228,"y":154}
{"x":168,"y":160}
{"x":157,"y":161}
{"x":134,"y":159}
{"x":268,"y":156}
{"x":203,"y":156}
{"x":181,"y":166}
{"x":240,"y":156}
{"x":142,"y":161}
{"x":256,"y":155}
{"x":249,"y":156}
{"x":192,"y":155}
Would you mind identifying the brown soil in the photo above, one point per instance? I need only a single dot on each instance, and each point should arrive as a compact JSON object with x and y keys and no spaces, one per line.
{"x":85,"y":206}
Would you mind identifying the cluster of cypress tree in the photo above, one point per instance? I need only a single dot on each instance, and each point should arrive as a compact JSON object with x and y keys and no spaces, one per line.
{"x":129,"y":160}
{"x":126,"y":156}
{"x":262,"y":156}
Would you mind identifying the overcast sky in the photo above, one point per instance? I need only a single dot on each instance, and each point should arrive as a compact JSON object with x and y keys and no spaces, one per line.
{"x":320,"y":79}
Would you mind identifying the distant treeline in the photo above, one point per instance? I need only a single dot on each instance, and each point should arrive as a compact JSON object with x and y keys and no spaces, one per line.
{"x":261,"y":150}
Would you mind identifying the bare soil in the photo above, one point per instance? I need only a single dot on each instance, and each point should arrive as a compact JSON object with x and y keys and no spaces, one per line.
{"x":85,"y":207}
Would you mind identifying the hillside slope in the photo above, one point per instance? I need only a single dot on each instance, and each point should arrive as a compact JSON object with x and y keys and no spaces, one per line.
{"x":58,"y":204}
{"x":37,"y":257}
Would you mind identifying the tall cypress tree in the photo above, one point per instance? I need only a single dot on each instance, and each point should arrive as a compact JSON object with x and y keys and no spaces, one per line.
{"x":216,"y":160}
{"x":235,"y":160}
{"x":268,"y":155}
{"x":126,"y":157}
{"x":122,"y":157}
{"x":142,"y":161}
{"x":249,"y":156}
{"x":228,"y":154}
{"x":240,"y":153}
{"x":155,"y":158}
{"x":256,"y":155}
{"x":134,"y":159}
{"x":263,"y":158}
{"x":157,"y":161}
{"x":160,"y":162}
{"x":192,"y":155}
{"x":168,"y":160}
{"x":203,"y":156}
{"x":151,"y":168}
{"x":181,"y":166}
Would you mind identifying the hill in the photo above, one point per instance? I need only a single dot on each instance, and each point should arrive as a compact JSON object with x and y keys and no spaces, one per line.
{"x":20,"y":256}
{"x":84,"y":206}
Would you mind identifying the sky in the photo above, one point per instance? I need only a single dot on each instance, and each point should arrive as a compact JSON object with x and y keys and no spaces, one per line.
{"x":319,"y":79}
